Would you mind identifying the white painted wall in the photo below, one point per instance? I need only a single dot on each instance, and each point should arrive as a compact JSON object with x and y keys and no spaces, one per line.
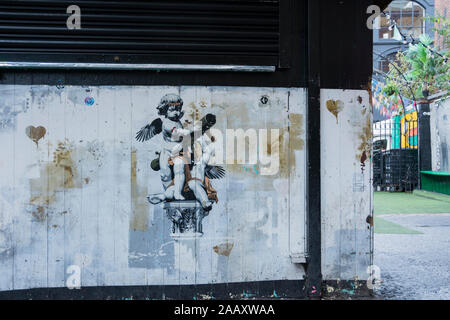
{"x":440,"y":135}
{"x":100,"y":220}
{"x":346,"y":134}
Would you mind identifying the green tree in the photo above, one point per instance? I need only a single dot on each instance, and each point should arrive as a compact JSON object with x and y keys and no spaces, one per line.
{"x":419,"y":69}
{"x":428,"y":68}
{"x":442,"y":28}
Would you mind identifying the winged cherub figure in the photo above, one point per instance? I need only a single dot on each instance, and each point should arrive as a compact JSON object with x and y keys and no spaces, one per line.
{"x":198,"y":176}
{"x":170,"y":107}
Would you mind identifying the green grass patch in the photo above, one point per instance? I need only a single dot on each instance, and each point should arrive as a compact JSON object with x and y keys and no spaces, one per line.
{"x":387,"y":227}
{"x":432,"y":195}
{"x":417,"y":202}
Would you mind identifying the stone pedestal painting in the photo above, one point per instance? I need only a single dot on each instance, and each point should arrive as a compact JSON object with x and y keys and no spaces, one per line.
{"x":186,"y":217}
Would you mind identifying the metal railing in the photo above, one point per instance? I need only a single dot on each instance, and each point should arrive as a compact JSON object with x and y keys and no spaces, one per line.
{"x":395,"y":154}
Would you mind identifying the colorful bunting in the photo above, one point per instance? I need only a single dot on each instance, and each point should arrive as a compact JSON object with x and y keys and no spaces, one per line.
{"x":386,"y":106}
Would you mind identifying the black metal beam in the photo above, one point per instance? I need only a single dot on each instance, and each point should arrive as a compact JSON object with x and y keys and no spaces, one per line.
{"x":314,"y":268}
{"x":425,"y":163}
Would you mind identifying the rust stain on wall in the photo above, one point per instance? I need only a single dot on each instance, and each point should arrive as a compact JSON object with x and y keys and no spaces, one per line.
{"x":55,"y":176}
{"x":296,"y":142}
{"x":365,"y":147}
{"x":238,"y":116}
{"x":335,"y":106}
{"x":363,"y":161}
{"x":269,"y":148}
{"x":360,"y":99}
{"x":139,"y":220}
{"x":290,"y":141}
{"x":35,"y":134}
{"x":224,"y":249}
{"x":62,"y":159}
{"x":39,"y":214}
{"x":192,"y":112}
{"x":368,"y":87}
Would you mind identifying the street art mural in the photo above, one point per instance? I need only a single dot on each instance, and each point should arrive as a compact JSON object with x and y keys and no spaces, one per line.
{"x":185,"y":170}
{"x":151,"y":185}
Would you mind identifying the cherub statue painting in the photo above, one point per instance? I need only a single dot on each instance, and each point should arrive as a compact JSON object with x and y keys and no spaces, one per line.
{"x":172,"y":130}
{"x":184,"y":167}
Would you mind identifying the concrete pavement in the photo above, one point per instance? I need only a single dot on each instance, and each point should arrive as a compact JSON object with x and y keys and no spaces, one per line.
{"x":413,"y":251}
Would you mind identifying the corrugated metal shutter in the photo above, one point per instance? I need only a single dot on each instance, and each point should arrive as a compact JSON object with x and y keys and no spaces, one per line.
{"x":229,"y":31}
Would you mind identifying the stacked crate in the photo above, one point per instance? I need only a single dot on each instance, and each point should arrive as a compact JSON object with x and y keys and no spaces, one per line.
{"x":400,"y":169}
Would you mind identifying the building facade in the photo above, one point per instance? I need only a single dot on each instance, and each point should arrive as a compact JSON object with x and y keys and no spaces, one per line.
{"x":442,"y":9}
{"x":410,"y":17}
{"x":88,"y":115}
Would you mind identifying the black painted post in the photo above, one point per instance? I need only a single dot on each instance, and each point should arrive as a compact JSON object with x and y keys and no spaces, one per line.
{"x":424,"y":136}
{"x":314,"y":266}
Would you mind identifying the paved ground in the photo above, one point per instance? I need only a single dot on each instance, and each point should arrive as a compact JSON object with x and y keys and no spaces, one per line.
{"x":411,"y":249}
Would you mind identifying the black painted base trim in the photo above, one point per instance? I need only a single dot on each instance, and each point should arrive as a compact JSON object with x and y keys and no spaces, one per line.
{"x":284,"y":289}
{"x":270,"y":290}
{"x":346,"y":289}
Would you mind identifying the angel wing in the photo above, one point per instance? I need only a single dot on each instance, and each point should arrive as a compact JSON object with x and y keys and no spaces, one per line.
{"x":215,"y":172}
{"x":149,"y":131}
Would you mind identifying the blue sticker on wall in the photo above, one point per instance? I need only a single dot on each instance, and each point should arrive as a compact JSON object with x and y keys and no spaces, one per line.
{"x":89,"y":101}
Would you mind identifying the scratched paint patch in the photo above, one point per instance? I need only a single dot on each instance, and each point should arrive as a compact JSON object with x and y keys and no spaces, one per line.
{"x":224,"y":249}
{"x":7,"y":117}
{"x":96,"y":151}
{"x":358,"y":182}
{"x":5,"y":244}
{"x":291,"y":140}
{"x":81,"y":96}
{"x":55,"y":176}
{"x":14,"y":101}
{"x":6,"y":221}
{"x":63,"y":174}
{"x":365,"y":147}
{"x":139,"y":221}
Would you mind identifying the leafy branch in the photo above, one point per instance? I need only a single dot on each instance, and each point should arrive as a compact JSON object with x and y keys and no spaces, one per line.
{"x":420,"y":70}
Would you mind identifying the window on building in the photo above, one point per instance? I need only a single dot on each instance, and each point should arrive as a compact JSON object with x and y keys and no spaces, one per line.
{"x":409,"y":17}
{"x":384,"y":64}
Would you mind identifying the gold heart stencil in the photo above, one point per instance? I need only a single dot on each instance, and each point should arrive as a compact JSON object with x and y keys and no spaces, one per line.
{"x":35,"y":134}
{"x":335,"y":107}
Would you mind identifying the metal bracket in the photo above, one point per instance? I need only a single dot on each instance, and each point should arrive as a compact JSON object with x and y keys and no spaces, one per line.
{"x":299,"y":258}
